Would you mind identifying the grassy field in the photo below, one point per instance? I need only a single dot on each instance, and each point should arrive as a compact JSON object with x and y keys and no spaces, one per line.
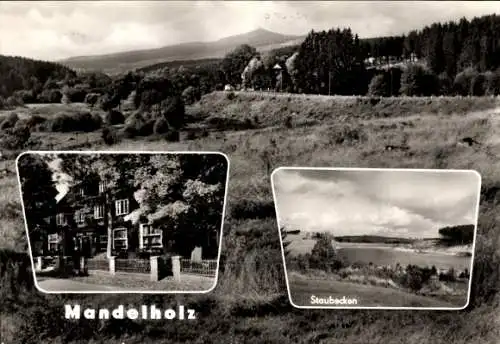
{"x":301,"y":290}
{"x":249,"y":303}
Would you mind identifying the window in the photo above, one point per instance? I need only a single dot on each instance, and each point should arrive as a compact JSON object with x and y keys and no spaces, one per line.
{"x":53,"y":241}
{"x":102,"y":187}
{"x":150,"y":237}
{"x":121,"y":206}
{"x":61,"y":219}
{"x":99,"y":211}
{"x":120,"y":240}
{"x":80,"y":217}
{"x":103,"y":242}
{"x":81,"y":191}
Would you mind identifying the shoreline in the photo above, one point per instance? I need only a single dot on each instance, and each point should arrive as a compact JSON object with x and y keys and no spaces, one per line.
{"x":451,"y":251}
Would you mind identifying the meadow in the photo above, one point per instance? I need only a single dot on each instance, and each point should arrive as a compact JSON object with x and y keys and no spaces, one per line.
{"x":250,"y":302}
{"x":302,"y":288}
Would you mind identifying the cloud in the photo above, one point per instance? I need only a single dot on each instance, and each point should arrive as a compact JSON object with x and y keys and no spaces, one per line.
{"x":54,"y":30}
{"x":409,"y":204}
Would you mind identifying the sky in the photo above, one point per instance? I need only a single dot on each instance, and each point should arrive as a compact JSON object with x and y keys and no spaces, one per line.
{"x":56,"y":30}
{"x":62,"y":180}
{"x":407,"y":204}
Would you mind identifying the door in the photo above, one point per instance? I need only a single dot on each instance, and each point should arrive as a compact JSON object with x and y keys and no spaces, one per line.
{"x":87,"y":246}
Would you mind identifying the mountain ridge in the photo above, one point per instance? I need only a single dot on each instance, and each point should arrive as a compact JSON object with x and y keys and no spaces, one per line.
{"x":260,"y":38}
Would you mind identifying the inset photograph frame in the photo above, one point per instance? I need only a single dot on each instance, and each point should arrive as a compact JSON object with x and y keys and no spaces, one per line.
{"x":164,"y":212}
{"x":373,"y":238}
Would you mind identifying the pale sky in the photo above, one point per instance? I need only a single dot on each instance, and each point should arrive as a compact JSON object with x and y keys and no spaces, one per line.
{"x":62,"y":180}
{"x":388,"y":203}
{"x":56,"y":30}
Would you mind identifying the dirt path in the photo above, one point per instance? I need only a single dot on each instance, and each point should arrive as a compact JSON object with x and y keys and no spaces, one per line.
{"x":68,"y":285}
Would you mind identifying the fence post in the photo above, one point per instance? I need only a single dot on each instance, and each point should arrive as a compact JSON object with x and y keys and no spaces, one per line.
{"x":154,"y":274}
{"x":176,"y":267}
{"x":83,"y":266}
{"x":112,"y":269}
{"x":38,"y":264}
{"x":60,"y":263}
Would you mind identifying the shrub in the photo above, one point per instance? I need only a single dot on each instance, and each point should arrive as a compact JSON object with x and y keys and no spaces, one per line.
{"x":138,"y":125}
{"x":445,"y":83}
{"x":231,"y":96}
{"x":13,"y":102}
{"x":34,"y":123}
{"x":253,"y":209}
{"x":478,"y":85}
{"x":448,"y":276}
{"x":378,"y":86}
{"x":114,"y":117}
{"x":189,"y":95}
{"x":161,"y":126}
{"x":109,"y":136}
{"x":26,"y":96}
{"x":173,"y":110}
{"x":16,"y":138}
{"x":465,"y":274}
{"x":74,"y":95}
{"x":92,"y":99}
{"x":230,"y":123}
{"x":417,"y":81}
{"x":463,"y":83}
{"x":173,"y":136}
{"x":413,"y":278}
{"x":9,"y":121}
{"x":50,"y":96}
{"x":492,"y":83}
{"x":347,"y":134}
{"x":85,"y":122}
{"x":324,"y":256}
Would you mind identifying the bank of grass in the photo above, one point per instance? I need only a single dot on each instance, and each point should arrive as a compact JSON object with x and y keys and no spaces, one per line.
{"x":250,"y":303}
{"x":275,"y":109}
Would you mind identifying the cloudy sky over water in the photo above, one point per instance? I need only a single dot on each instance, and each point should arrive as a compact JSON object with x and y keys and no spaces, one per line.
{"x":387,"y":203}
{"x":56,"y":30}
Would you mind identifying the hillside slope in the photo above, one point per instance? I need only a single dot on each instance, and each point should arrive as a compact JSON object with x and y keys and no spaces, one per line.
{"x":261,"y":39}
{"x":266,"y":109}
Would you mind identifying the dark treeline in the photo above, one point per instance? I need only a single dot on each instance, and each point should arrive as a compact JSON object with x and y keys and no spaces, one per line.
{"x":448,"y":48}
{"x":458,"y":235}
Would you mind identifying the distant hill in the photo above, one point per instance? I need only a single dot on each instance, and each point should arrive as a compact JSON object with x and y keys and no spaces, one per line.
{"x":261,"y":39}
{"x":373,"y":239}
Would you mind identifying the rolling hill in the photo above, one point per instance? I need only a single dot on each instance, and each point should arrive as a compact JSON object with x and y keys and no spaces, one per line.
{"x":261,"y":39}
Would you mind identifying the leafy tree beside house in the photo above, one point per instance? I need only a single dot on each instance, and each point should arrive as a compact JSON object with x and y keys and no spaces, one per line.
{"x":38,"y":192}
{"x":112,"y":171}
{"x":181,"y":195}
{"x":184,"y":196}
